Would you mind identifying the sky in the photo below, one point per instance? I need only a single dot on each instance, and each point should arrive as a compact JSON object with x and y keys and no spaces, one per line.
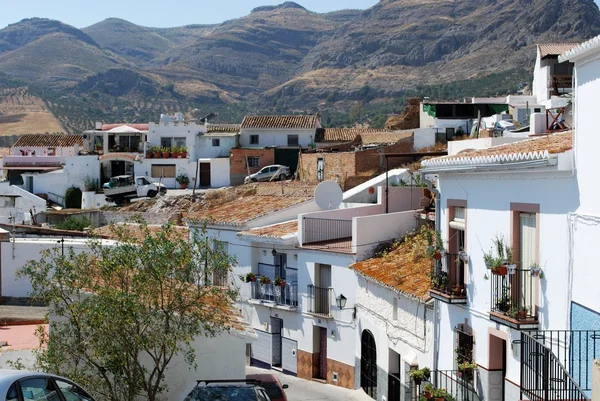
{"x":153,"y":13}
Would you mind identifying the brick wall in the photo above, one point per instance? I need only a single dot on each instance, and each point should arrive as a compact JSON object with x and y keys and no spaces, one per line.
{"x":238,"y":169}
{"x":371,"y":162}
{"x":337,"y":166}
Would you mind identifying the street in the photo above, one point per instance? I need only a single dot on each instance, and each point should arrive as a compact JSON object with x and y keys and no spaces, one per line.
{"x":305,"y":390}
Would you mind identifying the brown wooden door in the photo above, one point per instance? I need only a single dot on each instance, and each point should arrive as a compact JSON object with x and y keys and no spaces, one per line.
{"x":205,"y":174}
{"x":323,"y":356}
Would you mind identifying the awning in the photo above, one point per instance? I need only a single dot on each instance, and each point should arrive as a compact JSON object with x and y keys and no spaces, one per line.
{"x":458,"y":223}
{"x":31,"y":168}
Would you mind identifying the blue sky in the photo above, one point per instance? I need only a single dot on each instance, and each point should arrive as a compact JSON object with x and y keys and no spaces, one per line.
{"x":154,"y":13}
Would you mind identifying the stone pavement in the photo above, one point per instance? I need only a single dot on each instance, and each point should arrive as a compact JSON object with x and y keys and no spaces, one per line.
{"x":306,"y":390}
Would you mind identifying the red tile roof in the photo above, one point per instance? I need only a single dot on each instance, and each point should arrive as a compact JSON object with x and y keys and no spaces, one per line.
{"x":349,"y":134}
{"x":223,"y":128}
{"x":140,"y":127}
{"x":405,"y":269}
{"x":555,"y":49}
{"x":134,"y":232}
{"x":49,"y":140}
{"x":277,"y":231}
{"x":289,"y":122}
{"x":245,"y":209}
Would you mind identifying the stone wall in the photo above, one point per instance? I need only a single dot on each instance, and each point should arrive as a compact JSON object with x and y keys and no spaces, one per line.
{"x":113,"y":217}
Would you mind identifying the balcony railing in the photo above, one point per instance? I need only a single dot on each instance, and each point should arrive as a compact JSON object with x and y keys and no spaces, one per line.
{"x":329,"y":233}
{"x":453,"y":382}
{"x":287,"y":295}
{"x":320,"y":300}
{"x":448,"y":280}
{"x":513,"y":299}
{"x":543,"y":376}
{"x":33,"y":160}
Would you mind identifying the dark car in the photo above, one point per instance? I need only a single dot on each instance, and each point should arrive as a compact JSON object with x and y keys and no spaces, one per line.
{"x":228,"y":390}
{"x":271,"y":384}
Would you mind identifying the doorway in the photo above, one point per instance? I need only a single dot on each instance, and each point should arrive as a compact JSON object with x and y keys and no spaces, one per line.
{"x":276,"y":330}
{"x":497,"y":368}
{"x":368,"y":364}
{"x":205,"y":174}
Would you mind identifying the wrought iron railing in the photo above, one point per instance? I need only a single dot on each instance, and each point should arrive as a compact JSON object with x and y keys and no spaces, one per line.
{"x":320,"y":300}
{"x":543,"y":375}
{"x":286,"y":295}
{"x":575,"y":349}
{"x":448,"y":276}
{"x":320,"y":230}
{"x":454,"y":382}
{"x":513,"y":295}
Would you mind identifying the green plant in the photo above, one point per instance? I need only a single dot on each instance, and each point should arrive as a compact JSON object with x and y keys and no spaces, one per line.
{"x":279,"y":282}
{"x":466,"y":365}
{"x":73,"y":223}
{"x":182,"y":179}
{"x":500,"y":254}
{"x":265,"y":280}
{"x":250,"y":277}
{"x":419,"y":375}
{"x":429,"y":387}
{"x":73,"y":198}
{"x":91,"y":184}
{"x":165,"y":150}
{"x":435,"y":245}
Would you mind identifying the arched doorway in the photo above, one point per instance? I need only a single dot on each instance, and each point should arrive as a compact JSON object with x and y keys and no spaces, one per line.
{"x":368,"y":364}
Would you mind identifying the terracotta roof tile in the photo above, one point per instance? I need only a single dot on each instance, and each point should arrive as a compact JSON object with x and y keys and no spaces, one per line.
{"x":405,"y":269}
{"x":44,"y":140}
{"x":554,"y":143}
{"x":243,"y":210}
{"x":555,"y":49}
{"x":133,"y":231}
{"x":276,"y":231}
{"x":290,"y":122}
{"x":223,"y":128}
{"x":384,"y":137}
{"x":349,"y":134}
{"x":141,"y":127}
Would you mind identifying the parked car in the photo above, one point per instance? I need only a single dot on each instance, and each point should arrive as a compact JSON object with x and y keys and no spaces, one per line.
{"x":271,"y":384}
{"x":228,"y":390}
{"x":21,"y":385}
{"x":504,"y":125}
{"x":123,"y":188}
{"x":267,"y":173}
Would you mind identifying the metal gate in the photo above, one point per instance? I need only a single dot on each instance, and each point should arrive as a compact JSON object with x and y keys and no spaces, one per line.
{"x":368,"y":364}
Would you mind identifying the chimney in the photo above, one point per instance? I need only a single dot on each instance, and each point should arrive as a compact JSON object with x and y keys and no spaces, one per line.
{"x":98,"y":126}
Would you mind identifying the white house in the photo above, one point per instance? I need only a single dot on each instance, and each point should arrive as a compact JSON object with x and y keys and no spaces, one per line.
{"x":18,"y":204}
{"x":552,"y":77}
{"x":279,"y":131}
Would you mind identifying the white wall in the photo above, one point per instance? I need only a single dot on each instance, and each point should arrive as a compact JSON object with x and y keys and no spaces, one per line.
{"x":541,"y":76}
{"x":176,"y":130}
{"x":276,"y":137}
{"x":205,"y":147}
{"x":424,"y":138}
{"x":43,"y":151}
{"x":368,"y":231}
{"x":455,"y":147}
{"x":25,"y":202}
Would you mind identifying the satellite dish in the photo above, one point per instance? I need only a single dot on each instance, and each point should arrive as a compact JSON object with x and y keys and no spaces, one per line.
{"x":85,"y":136}
{"x":328,"y":195}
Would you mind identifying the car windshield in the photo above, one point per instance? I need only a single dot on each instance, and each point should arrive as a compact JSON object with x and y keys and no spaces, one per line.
{"x":272,"y":389}
{"x":223,"y":393}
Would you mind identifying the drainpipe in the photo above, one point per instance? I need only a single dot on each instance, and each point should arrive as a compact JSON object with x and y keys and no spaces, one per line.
{"x":436,"y":303}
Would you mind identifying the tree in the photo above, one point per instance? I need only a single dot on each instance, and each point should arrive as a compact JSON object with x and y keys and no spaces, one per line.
{"x":120,"y":313}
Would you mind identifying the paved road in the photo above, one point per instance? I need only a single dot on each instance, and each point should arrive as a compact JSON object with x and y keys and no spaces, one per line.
{"x":304,"y":390}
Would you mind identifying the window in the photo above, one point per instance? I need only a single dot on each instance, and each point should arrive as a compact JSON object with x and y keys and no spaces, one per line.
{"x":12,"y":393}
{"x":280,"y":264}
{"x":7,"y":201}
{"x":169,"y":142}
{"x":163,"y":170}
{"x":166,"y":142}
{"x":464,"y":346}
{"x":292,"y":140}
{"x":39,"y":388}
{"x":320,"y":169}
{"x":72,"y":392}
{"x":51,"y":151}
{"x":253,"y":139}
{"x":537,"y":110}
{"x":216,"y":142}
{"x":143,"y":181}
{"x":253,"y":161}
{"x":179,"y":142}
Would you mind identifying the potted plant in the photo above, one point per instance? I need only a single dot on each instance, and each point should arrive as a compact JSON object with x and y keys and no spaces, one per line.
{"x":522,"y":313}
{"x":156,"y":152}
{"x":499,"y":257}
{"x":463,"y":256}
{"x":183,"y":180}
{"x":427,"y":392}
{"x":250,"y":277}
{"x":503,"y":304}
{"x":435,"y":250}
{"x":457,"y":289}
{"x":418,"y":375}
{"x":183,"y":152}
{"x":466,"y":368}
{"x":279,"y":282}
{"x":265,"y":280}
{"x":439,"y":394}
{"x":511,"y":268}
{"x":175,"y":152}
{"x":166,"y":152}
{"x":535,"y":270}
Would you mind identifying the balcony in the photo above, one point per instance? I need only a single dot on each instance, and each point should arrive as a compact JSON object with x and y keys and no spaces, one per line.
{"x":451,"y":381}
{"x":33,"y":160}
{"x":274,"y":295}
{"x":448,"y":280}
{"x":332,"y":234}
{"x":320,"y":300}
{"x":513,"y":300}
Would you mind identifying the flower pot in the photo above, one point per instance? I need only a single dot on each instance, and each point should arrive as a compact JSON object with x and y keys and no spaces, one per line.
{"x":150,"y":155}
{"x":166,"y":155}
{"x":183,"y":155}
{"x":157,"y":155}
{"x":535,"y":271}
{"x":463,"y":256}
{"x":457,"y":290}
{"x":439,"y":399}
{"x":522,"y":314}
{"x":511,"y":269}
{"x":418,"y":381}
{"x":253,"y":279}
{"x":437,"y":255}
{"x":282,"y":284}
{"x":183,"y":186}
{"x":500,"y":271}
{"x":175,"y":155}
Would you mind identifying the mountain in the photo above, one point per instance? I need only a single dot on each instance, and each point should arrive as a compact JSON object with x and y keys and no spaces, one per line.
{"x":350,"y":65}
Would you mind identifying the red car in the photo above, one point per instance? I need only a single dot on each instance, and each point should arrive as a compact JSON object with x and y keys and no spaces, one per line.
{"x":272,"y":385}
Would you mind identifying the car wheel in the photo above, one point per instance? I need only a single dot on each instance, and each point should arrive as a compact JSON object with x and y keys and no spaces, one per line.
{"x":151,"y":193}
{"x":253,"y":180}
{"x":282,"y":177}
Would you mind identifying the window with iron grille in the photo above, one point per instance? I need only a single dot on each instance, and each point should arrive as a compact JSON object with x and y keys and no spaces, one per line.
{"x":254,"y":161}
{"x":464,"y":346}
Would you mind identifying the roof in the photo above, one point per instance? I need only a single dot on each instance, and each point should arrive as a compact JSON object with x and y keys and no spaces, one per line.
{"x":140,"y":127}
{"x":48,"y":140}
{"x":581,"y":50}
{"x":4,"y":152}
{"x":133,"y":231}
{"x":242,"y":210}
{"x":405,"y":269}
{"x":285,"y":122}
{"x":223,"y":128}
{"x":349,"y":134}
{"x":539,"y":148}
{"x":554,"y":49}
{"x":275,"y":233}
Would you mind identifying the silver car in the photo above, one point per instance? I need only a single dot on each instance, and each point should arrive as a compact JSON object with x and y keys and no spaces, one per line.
{"x":270,"y":173}
{"x":21,"y":385}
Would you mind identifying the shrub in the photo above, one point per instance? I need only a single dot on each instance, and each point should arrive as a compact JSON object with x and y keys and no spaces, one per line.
{"x":73,"y":198}
{"x":74,"y":223}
